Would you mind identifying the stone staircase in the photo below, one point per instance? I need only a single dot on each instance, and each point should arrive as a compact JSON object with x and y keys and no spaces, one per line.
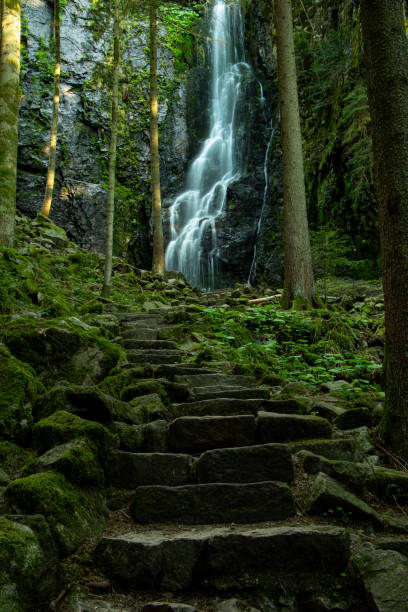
{"x":215,"y":507}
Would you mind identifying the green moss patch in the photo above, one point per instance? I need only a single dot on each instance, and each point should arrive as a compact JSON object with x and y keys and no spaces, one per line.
{"x":63,"y":426}
{"x":72,"y":514}
{"x":21,"y":565}
{"x":76,"y":460}
{"x":19,"y":387}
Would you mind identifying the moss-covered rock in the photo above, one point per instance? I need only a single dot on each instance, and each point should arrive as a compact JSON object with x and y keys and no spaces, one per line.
{"x":12,"y":458}
{"x":76,"y":460}
{"x":88,"y":402}
{"x":131,"y":437}
{"x":144,"y":387}
{"x":21,"y":565}
{"x":71,"y":514}
{"x":63,"y":426}
{"x":150,"y":407}
{"x":19,"y":388}
{"x":62,"y":349}
{"x":118,"y":380}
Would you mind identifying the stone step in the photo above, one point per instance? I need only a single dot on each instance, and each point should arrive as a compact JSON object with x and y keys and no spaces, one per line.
{"x":243,"y":393}
{"x":141,"y":316}
{"x":154,"y":357}
{"x":138,"y":333}
{"x":131,"y":343}
{"x":256,"y":463}
{"x":197,"y":434}
{"x":222,"y":406}
{"x":274,"y":427}
{"x":178,"y":371}
{"x":177,"y":561}
{"x":216,"y":380}
{"x":130,"y":470}
{"x":213,"y":503}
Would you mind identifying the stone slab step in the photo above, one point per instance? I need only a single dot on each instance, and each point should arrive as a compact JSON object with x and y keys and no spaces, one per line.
{"x":196,"y":434}
{"x":216,"y":379}
{"x":243,"y":393}
{"x":274,"y":427}
{"x":141,"y":316}
{"x":177,"y":561}
{"x":130,"y":470}
{"x":256,"y":463}
{"x":222,"y":406}
{"x":132,"y":343}
{"x":153,"y":357}
{"x":138,"y":333}
{"x":213,"y":503}
{"x":181,"y":370}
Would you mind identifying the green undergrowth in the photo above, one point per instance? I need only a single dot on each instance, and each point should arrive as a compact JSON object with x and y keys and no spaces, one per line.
{"x":311,"y":347}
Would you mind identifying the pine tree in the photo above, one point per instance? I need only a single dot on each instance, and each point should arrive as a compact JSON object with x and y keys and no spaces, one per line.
{"x":298,"y":272}
{"x":386,"y":59}
{"x":9,"y":107}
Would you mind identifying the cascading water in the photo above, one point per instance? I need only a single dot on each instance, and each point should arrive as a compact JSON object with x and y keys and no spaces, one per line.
{"x":252,"y":274}
{"x":193,"y":240}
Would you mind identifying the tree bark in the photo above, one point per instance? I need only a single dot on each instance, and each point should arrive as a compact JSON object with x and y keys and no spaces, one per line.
{"x":9,"y":107}
{"x":52,"y":155}
{"x":110,"y":203}
{"x":386,"y":59}
{"x":158,"y":246}
{"x":298,"y":272}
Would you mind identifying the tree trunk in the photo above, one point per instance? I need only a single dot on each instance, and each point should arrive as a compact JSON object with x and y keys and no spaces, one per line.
{"x":298,"y":272}
{"x":110,"y":205}
{"x":9,"y":106}
{"x":49,"y":186}
{"x":386,"y":58}
{"x":158,"y":246}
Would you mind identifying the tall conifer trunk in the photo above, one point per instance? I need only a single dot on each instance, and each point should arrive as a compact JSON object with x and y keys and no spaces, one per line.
{"x":9,"y":107}
{"x":158,"y":246}
{"x":110,"y":204}
{"x":298,"y":274}
{"x":386,"y":58}
{"x":52,"y":155}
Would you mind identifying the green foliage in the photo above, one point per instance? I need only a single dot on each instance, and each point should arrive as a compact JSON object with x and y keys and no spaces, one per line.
{"x":180,"y":23}
{"x":310,"y":347}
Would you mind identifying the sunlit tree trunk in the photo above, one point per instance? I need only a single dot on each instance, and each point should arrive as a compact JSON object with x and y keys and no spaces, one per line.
{"x":9,"y":106}
{"x":52,"y":154}
{"x":298,"y":272}
{"x":158,"y":246}
{"x":386,"y":59}
{"x":112,"y":155}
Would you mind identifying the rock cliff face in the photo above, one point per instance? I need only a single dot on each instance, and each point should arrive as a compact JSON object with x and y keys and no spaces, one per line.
{"x":83,"y":138}
{"x":79,"y":202}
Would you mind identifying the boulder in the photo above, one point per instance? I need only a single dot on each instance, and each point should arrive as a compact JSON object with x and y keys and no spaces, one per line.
{"x":76,"y":460}
{"x":22,"y":567}
{"x":355,"y":417}
{"x":63,"y":426}
{"x":71,"y":514}
{"x":329,"y":498}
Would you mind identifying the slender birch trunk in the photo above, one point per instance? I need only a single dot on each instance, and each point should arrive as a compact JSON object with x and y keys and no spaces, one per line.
{"x":158,"y":245}
{"x":52,"y":155}
{"x":110,"y":205}
{"x":9,"y":107}
{"x":298,"y":271}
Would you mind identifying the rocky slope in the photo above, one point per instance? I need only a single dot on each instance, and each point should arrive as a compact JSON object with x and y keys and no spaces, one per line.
{"x":145,"y":467}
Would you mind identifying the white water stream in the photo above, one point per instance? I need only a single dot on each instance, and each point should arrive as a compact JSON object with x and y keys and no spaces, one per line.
{"x":193,"y":240}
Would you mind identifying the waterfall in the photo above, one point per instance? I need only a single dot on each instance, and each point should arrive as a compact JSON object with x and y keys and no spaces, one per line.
{"x":193,"y":239}
{"x":252,"y":274}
